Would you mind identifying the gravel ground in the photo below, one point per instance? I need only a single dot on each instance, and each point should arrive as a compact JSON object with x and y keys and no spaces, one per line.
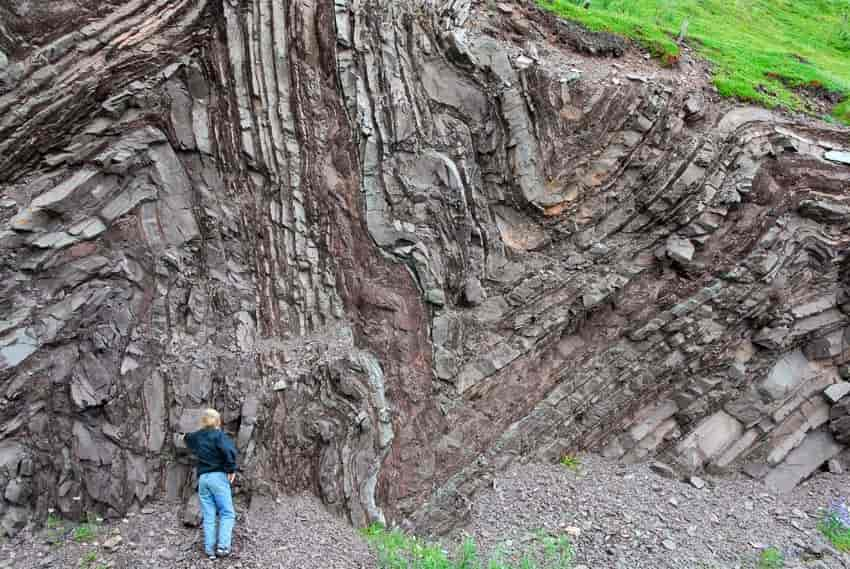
{"x":631,"y":518}
{"x":620,"y":517}
{"x":294,"y":533}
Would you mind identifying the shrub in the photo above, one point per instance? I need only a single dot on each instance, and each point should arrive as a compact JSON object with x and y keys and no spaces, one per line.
{"x":571,"y":461}
{"x":835,"y":525}
{"x":771,"y":558}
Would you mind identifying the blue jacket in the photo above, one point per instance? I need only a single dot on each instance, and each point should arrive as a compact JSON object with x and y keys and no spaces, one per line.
{"x":214,"y":449}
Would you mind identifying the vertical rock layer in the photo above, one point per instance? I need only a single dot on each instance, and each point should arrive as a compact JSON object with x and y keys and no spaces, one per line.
{"x":397,"y":255}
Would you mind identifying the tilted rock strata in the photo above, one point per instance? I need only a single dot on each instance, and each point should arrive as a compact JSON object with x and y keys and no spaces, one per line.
{"x":398,"y":257}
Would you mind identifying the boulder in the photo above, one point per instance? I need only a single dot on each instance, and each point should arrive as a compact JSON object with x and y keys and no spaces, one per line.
{"x":787,"y":374}
{"x":713,"y":435}
{"x":17,"y":492}
{"x":817,"y":448}
{"x":473,"y":292}
{"x":191,"y":513}
{"x":837,"y":391}
{"x":680,"y":249}
{"x":14,"y":520}
{"x":839,"y":420}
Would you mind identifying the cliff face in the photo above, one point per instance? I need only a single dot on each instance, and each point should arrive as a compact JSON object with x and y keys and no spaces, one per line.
{"x":398,"y":253}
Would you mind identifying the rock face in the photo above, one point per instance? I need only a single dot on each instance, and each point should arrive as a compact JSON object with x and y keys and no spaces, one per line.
{"x":396,"y":255}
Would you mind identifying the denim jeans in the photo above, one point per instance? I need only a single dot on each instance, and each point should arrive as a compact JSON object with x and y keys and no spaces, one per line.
{"x":214,"y":492}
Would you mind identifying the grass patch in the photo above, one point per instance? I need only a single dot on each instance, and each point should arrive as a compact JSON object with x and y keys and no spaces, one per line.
{"x":88,"y":560}
{"x":771,"y":558}
{"x":842,"y":111}
{"x":396,"y":550}
{"x":571,"y":461}
{"x":837,"y":534}
{"x":763,"y":51}
{"x":84,"y":533}
{"x":53,"y":521}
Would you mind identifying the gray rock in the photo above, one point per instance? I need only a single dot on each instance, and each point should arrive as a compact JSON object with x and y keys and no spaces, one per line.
{"x":835,"y":466}
{"x":191,"y":512}
{"x":697,"y":482}
{"x":664,"y":470}
{"x":113,"y":543}
{"x":817,"y":448}
{"x":88,"y":228}
{"x":27,"y":220}
{"x":787,"y":374}
{"x":772,"y":338}
{"x":838,"y":156}
{"x":756,"y":470}
{"x":837,"y":391}
{"x":22,"y":345}
{"x":694,"y":105}
{"x":680,"y":249}
{"x":14,"y":520}
{"x":828,"y":346}
{"x":60,"y":198}
{"x":825,"y":211}
{"x":436,"y":297}
{"x":445,"y":363}
{"x":473,"y":292}
{"x":709,"y":439}
{"x":17,"y":492}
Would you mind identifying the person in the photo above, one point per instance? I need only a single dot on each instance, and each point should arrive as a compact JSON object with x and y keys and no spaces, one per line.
{"x":216,"y":455}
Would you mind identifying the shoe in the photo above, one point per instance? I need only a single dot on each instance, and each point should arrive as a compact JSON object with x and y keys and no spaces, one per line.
{"x":211,"y":556}
{"x":222,"y":552}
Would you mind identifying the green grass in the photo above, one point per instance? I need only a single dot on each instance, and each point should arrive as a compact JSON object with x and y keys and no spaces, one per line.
{"x":53,"y":521}
{"x":837,"y":534}
{"x":771,"y":558}
{"x":571,"y":462}
{"x":84,"y":533}
{"x":763,"y":51}
{"x":88,"y":560}
{"x":396,"y":550}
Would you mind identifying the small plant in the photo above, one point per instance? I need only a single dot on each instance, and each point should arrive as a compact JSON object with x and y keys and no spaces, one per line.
{"x":771,"y":558}
{"x":88,"y":560}
{"x":571,"y":462}
{"x":53,"y":521}
{"x":835,"y":525}
{"x":395,"y":550}
{"x":84,"y":533}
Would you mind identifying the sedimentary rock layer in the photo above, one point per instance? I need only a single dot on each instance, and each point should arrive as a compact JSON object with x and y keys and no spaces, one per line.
{"x":399,"y":252}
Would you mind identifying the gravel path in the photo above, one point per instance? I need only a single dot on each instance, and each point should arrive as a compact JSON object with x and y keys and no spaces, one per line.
{"x":621,"y":517}
{"x":631,"y":518}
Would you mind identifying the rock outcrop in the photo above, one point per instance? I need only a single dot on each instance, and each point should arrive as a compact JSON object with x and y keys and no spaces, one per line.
{"x":400,"y":251}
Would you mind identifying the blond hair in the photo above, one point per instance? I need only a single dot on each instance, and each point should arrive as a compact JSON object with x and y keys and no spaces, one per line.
{"x":210,"y":419}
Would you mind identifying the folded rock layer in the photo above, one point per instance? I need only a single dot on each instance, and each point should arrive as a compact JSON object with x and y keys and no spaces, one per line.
{"x":399,"y":252}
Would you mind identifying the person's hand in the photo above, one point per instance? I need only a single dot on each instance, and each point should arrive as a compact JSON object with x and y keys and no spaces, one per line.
{"x":231,"y":477}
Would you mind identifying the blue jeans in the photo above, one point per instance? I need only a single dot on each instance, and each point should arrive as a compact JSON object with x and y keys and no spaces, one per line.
{"x":214,"y":492}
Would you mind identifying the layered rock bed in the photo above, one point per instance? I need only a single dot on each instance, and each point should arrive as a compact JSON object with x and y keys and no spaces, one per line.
{"x":400,"y":253}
